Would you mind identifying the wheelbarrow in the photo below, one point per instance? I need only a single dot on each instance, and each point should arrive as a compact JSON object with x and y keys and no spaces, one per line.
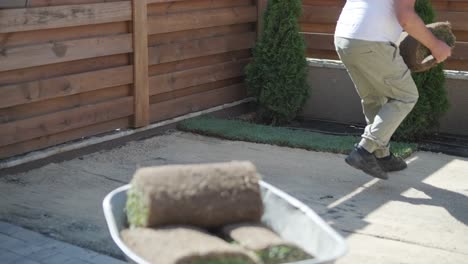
{"x":288,"y":217}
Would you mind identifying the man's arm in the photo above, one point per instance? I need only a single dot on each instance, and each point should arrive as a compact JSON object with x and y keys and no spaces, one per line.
{"x":413,"y":24}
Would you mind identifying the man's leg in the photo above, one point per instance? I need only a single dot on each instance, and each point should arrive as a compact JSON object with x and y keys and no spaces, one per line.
{"x":350,"y":52}
{"x":387,"y":121}
{"x":371,"y":106}
{"x":378,"y":71}
{"x":402,"y":95}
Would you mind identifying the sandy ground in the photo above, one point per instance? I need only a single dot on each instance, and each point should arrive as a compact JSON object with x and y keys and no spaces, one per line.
{"x":419,"y":216}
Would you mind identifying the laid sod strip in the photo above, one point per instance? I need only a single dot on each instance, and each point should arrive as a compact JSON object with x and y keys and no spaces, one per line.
{"x":245,"y":131}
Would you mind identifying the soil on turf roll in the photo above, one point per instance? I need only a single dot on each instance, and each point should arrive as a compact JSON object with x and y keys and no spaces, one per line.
{"x":271,"y":248}
{"x":206,"y":195}
{"x":184,"y":245}
{"x":414,"y":53}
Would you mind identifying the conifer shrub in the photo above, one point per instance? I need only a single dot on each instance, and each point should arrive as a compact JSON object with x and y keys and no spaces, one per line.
{"x":277,"y":76}
{"x":433,"y":100}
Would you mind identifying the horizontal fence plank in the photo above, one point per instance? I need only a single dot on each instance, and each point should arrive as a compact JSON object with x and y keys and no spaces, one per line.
{"x":318,"y":28}
{"x":459,"y":59}
{"x":38,"y":3}
{"x":201,"y":19}
{"x":197,"y":102}
{"x":60,"y":34}
{"x":320,"y":14}
{"x":188,"y":35}
{"x":199,"y":62}
{"x":339,"y":3}
{"x":458,"y":65}
{"x":319,"y":41}
{"x":163,"y":1}
{"x":450,"y":5}
{"x":26,"y":19}
{"x":172,"y":95}
{"x":462,"y":36}
{"x":460,"y":51}
{"x":457,"y":19}
{"x":63,"y":69}
{"x":201,"y":47}
{"x":63,"y":51}
{"x":193,"y":5}
{"x":193,"y":77}
{"x":40,"y":108}
{"x":23,"y":130}
{"x":322,"y":54}
{"x":29,"y":92}
{"x":59,"y":138}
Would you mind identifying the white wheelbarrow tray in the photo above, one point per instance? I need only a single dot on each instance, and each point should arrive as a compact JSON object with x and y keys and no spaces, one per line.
{"x":290,"y":218}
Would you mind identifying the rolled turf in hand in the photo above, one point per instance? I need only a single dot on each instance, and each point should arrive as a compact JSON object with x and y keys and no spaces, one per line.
{"x":184,"y":245}
{"x":206,"y":195}
{"x":414,"y":53}
{"x":271,"y":248}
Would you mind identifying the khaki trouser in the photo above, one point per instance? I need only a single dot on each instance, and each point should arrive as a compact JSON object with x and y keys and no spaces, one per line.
{"x":384,"y":83}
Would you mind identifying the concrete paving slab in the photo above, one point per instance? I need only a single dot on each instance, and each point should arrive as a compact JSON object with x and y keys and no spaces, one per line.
{"x":7,"y":256}
{"x":366,"y":249}
{"x":420,"y":214}
{"x":22,"y":246}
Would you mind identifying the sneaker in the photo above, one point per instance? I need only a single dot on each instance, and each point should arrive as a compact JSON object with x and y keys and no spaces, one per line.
{"x":361,"y":159}
{"x":392,"y":163}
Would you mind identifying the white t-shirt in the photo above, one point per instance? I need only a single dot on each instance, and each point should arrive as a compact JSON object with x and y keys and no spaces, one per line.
{"x":372,"y":20}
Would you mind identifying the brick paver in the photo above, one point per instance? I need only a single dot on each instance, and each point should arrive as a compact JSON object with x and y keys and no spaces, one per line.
{"x":22,"y":246}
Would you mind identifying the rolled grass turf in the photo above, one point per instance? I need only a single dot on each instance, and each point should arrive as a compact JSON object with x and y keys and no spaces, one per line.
{"x":414,"y":53}
{"x":202,"y":195}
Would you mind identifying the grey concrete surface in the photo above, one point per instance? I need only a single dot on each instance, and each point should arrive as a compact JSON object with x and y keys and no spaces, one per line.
{"x":419,"y":216}
{"x":22,"y":246}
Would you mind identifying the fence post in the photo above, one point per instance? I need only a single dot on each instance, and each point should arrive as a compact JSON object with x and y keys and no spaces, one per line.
{"x":140,"y":67}
{"x":261,"y":7}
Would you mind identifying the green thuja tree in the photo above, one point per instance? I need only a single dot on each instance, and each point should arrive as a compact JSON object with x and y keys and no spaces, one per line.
{"x":277,"y":76}
{"x":433,"y":101}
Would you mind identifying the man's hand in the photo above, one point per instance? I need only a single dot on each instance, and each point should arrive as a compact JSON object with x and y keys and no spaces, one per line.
{"x":441,"y":51}
{"x":413,"y":24}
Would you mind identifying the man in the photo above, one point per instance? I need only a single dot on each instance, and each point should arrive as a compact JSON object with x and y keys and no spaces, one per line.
{"x":365,"y":39}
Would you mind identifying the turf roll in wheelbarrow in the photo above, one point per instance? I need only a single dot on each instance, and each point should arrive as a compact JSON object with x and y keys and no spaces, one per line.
{"x":184,"y":245}
{"x":416,"y":55}
{"x":202,"y":195}
{"x":270,"y":247}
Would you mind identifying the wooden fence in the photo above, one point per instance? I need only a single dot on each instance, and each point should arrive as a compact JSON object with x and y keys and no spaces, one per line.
{"x":320,"y":16}
{"x":76,"y":68}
